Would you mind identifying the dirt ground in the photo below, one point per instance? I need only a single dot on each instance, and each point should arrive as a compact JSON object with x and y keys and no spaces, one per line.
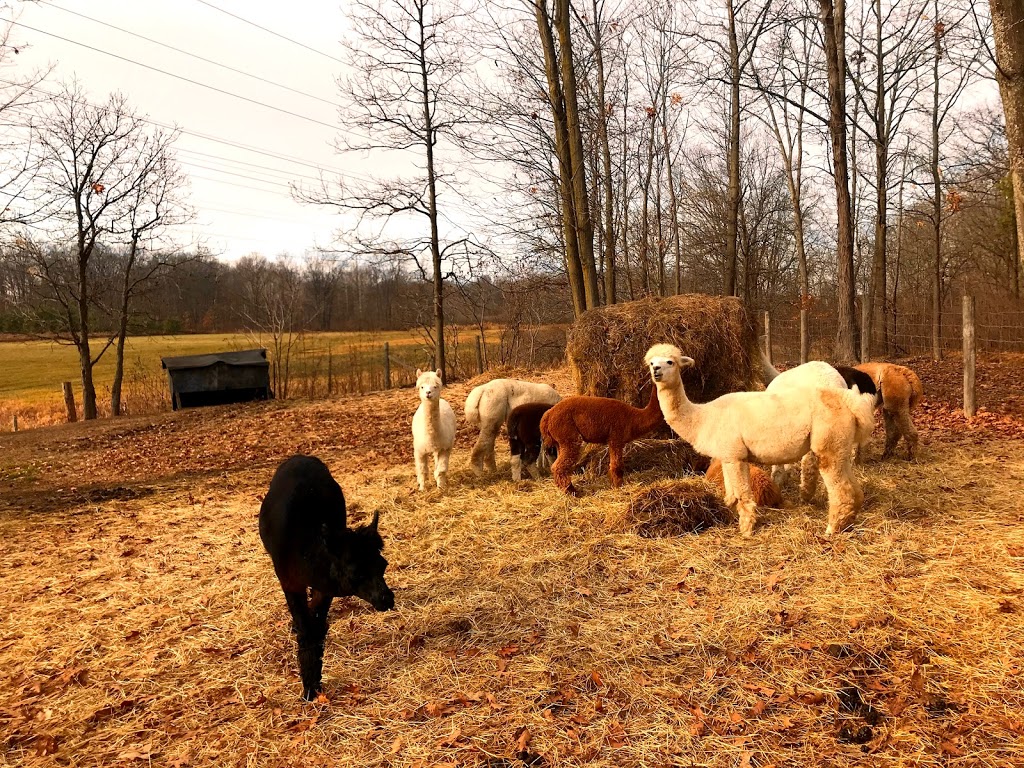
{"x":141,"y":623}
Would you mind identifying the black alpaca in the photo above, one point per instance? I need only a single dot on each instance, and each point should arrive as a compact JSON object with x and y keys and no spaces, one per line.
{"x":863,"y":381}
{"x":523,"y":427}
{"x":302,"y":525}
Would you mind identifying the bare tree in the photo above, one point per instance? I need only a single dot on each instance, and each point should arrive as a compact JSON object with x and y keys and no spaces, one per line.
{"x":833,"y":21}
{"x":400,"y":98}
{"x":1008,"y":31}
{"x":98,"y":172}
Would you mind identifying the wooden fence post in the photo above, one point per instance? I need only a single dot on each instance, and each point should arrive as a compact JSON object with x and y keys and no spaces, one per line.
{"x":479,"y":355}
{"x":69,"y":402}
{"x":805,"y":336}
{"x":865,"y":339}
{"x":387,"y":365}
{"x":970,"y":350}
{"x":330,"y":371}
{"x":768,"y":337}
{"x":15,"y":422}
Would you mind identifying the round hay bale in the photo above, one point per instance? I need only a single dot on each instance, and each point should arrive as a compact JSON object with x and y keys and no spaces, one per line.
{"x":671,"y":458}
{"x":674,"y":508}
{"x":606,"y":346}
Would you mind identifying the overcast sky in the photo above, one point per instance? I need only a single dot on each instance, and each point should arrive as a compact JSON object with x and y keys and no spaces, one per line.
{"x":242,"y":196}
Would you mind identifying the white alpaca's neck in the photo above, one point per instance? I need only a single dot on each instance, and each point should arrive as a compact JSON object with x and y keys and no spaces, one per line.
{"x":682,"y":416}
{"x":432,"y":410}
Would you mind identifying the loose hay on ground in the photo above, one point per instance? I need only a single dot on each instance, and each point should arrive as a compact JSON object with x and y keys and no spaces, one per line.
{"x":605,"y":347}
{"x":675,"y":508}
{"x":152,"y":631}
{"x":667,"y":458}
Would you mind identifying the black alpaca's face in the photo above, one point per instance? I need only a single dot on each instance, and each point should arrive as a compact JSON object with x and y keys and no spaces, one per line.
{"x":368,"y":570}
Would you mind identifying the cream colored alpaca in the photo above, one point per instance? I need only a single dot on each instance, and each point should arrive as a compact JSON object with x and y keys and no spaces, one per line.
{"x":488,"y":406}
{"x":768,"y":428}
{"x":433,"y":429}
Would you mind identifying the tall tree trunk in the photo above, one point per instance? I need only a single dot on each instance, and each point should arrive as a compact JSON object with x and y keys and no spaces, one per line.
{"x":84,"y":350}
{"x":833,"y":19}
{"x":606,"y":159}
{"x":733,"y":192}
{"x":1008,"y":30}
{"x":573,"y":264}
{"x":122,"y":332}
{"x":584,"y":226}
{"x":645,"y":235}
{"x":877,"y":292}
{"x":435,"y":238}
{"x":937,"y":199}
{"x":676,"y":248}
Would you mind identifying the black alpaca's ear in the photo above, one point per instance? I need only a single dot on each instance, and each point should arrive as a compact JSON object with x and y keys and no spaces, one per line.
{"x":376,"y":519}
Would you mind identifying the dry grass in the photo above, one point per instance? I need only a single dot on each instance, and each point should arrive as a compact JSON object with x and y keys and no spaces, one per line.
{"x":143,"y":625}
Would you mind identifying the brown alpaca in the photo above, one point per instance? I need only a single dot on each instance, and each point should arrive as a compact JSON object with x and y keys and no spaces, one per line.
{"x":901,"y":391}
{"x":766,"y":493}
{"x":601,"y":420}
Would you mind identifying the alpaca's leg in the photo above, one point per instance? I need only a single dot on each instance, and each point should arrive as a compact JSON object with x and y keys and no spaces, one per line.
{"x":892,"y":433}
{"x":907,"y":430}
{"x":320,"y":604}
{"x":310,"y":631}
{"x":483,"y":451}
{"x":844,"y":492}
{"x":739,"y":472}
{"x":441,"y":468}
{"x":421,"y":470}
{"x":517,"y":467}
{"x":615,"y":471}
{"x":562,"y":469}
{"x":780,"y":474}
{"x":808,"y":476}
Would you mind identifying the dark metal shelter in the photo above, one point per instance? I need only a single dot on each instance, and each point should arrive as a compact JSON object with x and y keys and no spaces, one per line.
{"x":222,"y":377}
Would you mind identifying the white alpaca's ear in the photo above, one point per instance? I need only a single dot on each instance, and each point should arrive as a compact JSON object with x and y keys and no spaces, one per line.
{"x":418,"y":373}
{"x":438,"y":372}
{"x":686,"y":362}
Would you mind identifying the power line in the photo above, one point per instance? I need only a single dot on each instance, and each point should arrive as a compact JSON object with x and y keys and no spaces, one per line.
{"x":171,"y":74}
{"x":194,"y":55}
{"x":272,"y":32}
{"x":251,"y":165}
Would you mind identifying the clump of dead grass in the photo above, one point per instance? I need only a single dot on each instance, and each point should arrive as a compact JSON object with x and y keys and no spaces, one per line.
{"x":675,"y":508}
{"x":605,"y":347}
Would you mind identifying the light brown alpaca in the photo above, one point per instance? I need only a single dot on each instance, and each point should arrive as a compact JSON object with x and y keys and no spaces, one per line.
{"x":901,"y":392}
{"x":766,"y":493}
{"x":602,"y":420}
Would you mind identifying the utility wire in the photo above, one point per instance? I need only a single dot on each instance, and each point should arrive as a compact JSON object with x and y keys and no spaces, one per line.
{"x":194,"y":55}
{"x":272,"y":32}
{"x":171,"y":74}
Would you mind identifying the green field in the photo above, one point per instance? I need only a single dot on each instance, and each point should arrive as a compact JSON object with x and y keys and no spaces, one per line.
{"x":32,"y":371}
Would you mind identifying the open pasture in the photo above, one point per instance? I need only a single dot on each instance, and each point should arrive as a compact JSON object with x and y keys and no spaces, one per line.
{"x":142,"y":623}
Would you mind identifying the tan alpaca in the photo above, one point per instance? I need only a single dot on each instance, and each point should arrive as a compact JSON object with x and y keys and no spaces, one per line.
{"x":901,"y":392}
{"x":766,"y":493}
{"x":768,"y":428}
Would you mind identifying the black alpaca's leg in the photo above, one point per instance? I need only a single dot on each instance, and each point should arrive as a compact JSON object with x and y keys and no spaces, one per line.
{"x":320,"y":605}
{"x":309,"y":634}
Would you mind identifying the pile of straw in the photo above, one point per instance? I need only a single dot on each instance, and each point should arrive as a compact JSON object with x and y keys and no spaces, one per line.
{"x":666,"y":458}
{"x":675,"y":508}
{"x":605,"y":347}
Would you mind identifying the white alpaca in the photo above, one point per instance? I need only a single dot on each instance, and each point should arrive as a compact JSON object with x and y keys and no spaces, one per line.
{"x":433,"y":429}
{"x":489,"y":405}
{"x":768,"y":428}
{"x":814,"y":374}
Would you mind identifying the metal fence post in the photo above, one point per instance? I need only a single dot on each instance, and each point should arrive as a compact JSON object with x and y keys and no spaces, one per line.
{"x":387,"y":365}
{"x":768,"y":337}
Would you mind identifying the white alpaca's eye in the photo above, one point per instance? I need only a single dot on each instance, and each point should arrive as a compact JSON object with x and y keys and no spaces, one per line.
{"x":669,"y":363}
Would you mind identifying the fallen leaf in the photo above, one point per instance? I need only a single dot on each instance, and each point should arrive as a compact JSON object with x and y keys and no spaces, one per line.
{"x":522,"y":737}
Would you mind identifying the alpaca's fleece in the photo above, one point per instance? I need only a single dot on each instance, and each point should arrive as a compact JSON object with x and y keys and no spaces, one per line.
{"x":433,"y":429}
{"x":599,"y":420}
{"x":766,"y":493}
{"x":901,"y":392}
{"x":489,"y":406}
{"x":768,"y":428}
{"x":814,"y":374}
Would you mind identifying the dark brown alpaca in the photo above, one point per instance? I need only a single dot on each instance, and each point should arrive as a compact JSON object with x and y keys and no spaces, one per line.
{"x":601,"y":420}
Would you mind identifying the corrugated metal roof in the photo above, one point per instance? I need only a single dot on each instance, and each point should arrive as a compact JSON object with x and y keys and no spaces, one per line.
{"x":241,"y":357}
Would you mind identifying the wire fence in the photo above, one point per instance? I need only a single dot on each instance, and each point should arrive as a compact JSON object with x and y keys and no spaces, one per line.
{"x":998,"y":329}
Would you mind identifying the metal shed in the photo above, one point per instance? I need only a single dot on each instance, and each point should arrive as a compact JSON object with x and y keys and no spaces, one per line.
{"x":222,"y":377}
